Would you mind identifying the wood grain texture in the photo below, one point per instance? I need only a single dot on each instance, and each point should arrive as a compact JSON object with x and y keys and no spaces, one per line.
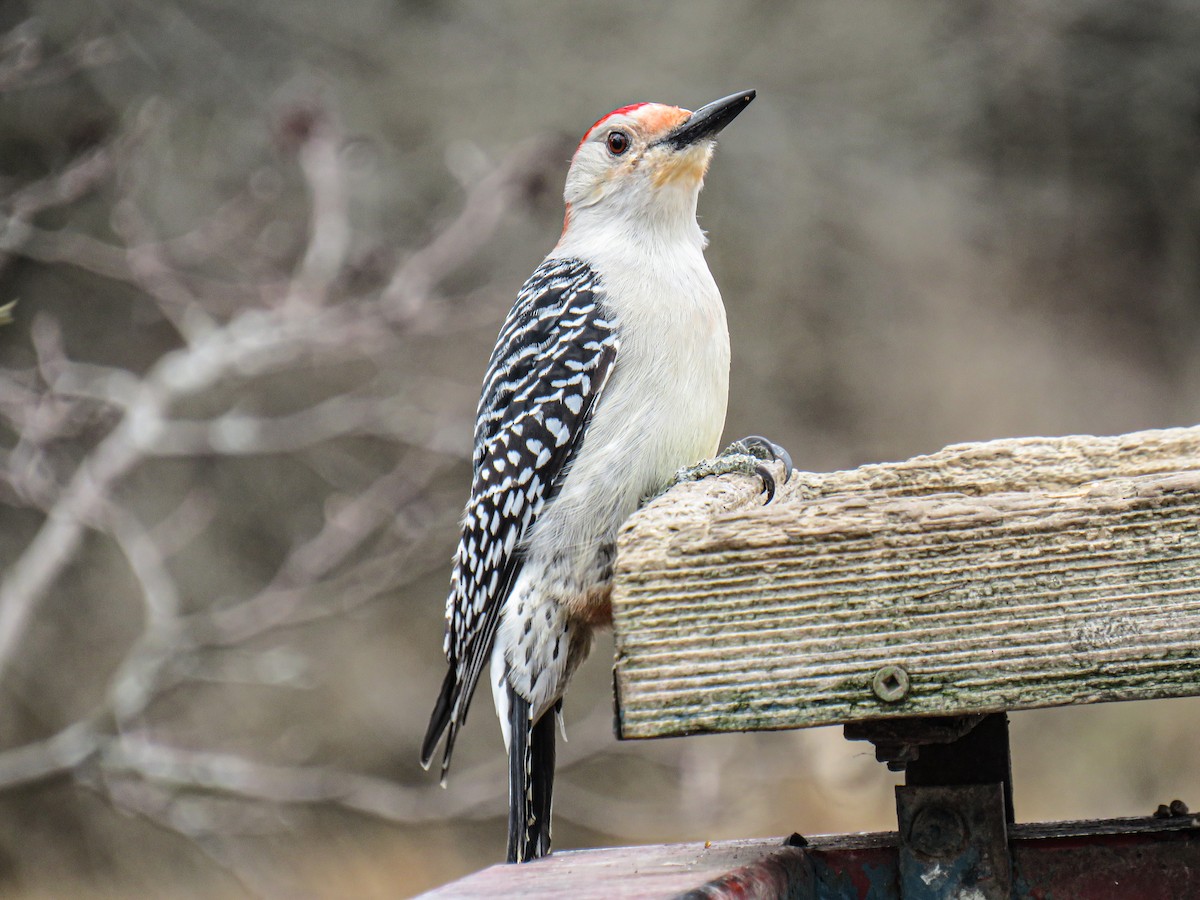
{"x":1001,"y":576}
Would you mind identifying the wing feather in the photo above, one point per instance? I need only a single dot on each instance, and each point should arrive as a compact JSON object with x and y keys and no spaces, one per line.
{"x":552,"y":359}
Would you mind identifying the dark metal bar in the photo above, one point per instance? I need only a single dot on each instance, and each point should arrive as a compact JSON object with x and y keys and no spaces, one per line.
{"x":953,"y":842}
{"x":980,"y":756}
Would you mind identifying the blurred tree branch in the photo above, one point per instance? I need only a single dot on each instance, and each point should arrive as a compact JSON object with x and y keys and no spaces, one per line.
{"x":253,"y":342}
{"x":208,"y":398}
{"x":24,"y":62}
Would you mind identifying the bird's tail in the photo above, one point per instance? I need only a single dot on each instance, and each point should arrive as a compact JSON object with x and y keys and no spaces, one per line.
{"x":444,"y":718}
{"x":530,"y":781}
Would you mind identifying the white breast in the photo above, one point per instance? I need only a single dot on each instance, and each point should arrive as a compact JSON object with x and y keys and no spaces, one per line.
{"x":664,"y":406}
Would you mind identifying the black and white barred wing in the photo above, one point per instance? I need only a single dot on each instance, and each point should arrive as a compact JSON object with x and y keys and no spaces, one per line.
{"x":551,"y":362}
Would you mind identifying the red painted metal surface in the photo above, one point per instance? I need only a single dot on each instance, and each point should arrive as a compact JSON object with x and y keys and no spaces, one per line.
{"x":787,"y":872}
{"x":1142,"y":859}
{"x":1120,"y":859}
{"x":662,"y":870}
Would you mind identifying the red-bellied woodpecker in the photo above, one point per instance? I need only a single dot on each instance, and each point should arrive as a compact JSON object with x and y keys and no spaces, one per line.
{"x":610,"y":373}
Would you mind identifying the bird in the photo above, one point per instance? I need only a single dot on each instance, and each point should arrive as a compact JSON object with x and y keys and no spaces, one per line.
{"x":609,"y":378}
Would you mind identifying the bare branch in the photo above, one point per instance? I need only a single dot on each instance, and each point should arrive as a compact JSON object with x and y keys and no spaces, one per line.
{"x":184,"y":523}
{"x":23,"y":63}
{"x":412,"y":283}
{"x":31,"y":575}
{"x":150,"y":270}
{"x":329,"y":226}
{"x":349,"y":524}
{"x":77,"y":180}
{"x":288,"y":607}
{"x":136,"y":681}
{"x":161,"y":807}
{"x":55,"y":755}
{"x":72,"y":248}
{"x":236,"y":433}
{"x":82,"y":429}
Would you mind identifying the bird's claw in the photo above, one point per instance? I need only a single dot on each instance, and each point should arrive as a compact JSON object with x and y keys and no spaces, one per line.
{"x":764,"y":449}
{"x":768,"y":481}
{"x":745,"y":457}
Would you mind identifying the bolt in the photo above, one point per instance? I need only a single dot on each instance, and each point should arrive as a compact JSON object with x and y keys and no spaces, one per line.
{"x":891,"y":684}
{"x":937,"y":831}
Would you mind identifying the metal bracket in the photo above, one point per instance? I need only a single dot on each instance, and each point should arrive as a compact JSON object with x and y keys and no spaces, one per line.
{"x":939,"y":751}
{"x":955,"y":807}
{"x":899,"y":741}
{"x":953,"y":843}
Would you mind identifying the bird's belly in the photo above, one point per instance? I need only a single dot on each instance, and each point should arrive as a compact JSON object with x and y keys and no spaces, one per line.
{"x":640,"y":435}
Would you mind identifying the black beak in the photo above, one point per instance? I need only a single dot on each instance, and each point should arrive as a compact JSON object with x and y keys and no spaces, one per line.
{"x":707,"y":121}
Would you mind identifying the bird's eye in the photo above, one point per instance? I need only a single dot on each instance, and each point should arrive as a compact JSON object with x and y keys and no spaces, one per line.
{"x":618,"y":142}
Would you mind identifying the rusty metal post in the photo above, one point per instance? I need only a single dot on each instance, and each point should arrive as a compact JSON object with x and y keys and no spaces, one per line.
{"x":953,"y":843}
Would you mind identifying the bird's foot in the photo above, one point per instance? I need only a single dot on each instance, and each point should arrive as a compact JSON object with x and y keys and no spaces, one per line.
{"x":745,"y":457}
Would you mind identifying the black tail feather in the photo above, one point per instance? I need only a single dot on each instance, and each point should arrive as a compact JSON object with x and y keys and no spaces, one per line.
{"x":543,"y":782}
{"x":454,"y":699}
{"x":530,"y":781}
{"x":442,"y":711}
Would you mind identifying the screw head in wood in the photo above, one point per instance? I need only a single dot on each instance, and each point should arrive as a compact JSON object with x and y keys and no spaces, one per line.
{"x":891,"y":684}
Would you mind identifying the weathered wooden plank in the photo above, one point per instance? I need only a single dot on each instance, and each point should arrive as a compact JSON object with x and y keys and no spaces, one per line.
{"x":999,"y":576}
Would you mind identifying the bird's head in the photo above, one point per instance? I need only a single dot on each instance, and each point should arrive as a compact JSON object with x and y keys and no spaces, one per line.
{"x":645,"y":164}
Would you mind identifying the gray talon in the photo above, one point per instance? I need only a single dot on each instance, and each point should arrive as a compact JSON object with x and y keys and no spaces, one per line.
{"x":746,"y":457}
{"x":767,"y":449}
{"x":768,"y":481}
{"x":762,"y":448}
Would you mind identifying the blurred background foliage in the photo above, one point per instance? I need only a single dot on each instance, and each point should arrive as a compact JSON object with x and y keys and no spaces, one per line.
{"x":260,"y":251}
